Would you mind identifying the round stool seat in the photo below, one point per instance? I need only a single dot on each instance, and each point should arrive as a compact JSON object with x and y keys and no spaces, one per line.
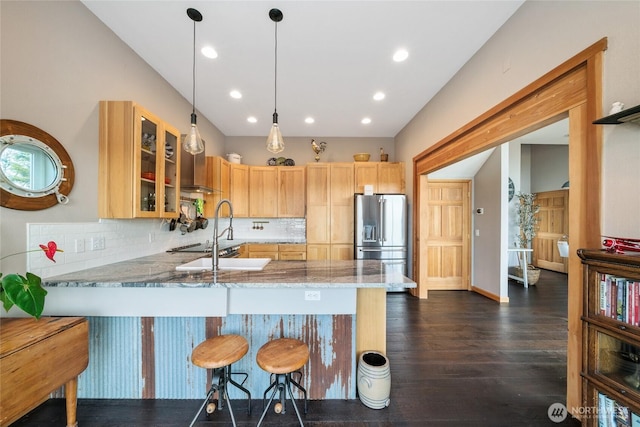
{"x":219,"y":351}
{"x":282,"y":356}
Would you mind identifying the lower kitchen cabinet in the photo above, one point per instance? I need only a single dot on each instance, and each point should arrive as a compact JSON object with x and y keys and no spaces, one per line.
{"x":292,"y":252}
{"x":283,"y":252}
{"x":263,"y":251}
{"x":611,"y":339}
{"x":318,"y":252}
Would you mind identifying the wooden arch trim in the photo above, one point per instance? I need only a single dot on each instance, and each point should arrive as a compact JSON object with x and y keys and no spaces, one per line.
{"x":572,"y":89}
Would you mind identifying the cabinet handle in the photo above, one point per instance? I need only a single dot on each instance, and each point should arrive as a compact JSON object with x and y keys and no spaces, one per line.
{"x":622,"y":391}
{"x":622,"y":327}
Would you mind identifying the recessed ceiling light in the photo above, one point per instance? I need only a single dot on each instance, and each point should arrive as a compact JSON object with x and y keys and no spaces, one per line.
{"x":235,"y":94}
{"x":209,"y":52}
{"x":252,"y":119}
{"x":365,"y":121}
{"x":379,"y":96}
{"x":400,"y":55}
{"x":309,"y":120}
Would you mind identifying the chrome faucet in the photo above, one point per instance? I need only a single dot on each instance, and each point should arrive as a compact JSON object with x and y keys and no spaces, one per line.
{"x":214,"y":249}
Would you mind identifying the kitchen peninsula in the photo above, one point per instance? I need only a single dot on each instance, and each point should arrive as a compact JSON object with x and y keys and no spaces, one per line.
{"x":145,"y":318}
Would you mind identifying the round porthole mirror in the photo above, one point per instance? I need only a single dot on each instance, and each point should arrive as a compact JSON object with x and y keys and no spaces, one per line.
{"x":36,"y":171}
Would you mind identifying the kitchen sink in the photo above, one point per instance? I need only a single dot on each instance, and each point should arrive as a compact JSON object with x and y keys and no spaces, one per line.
{"x":226,"y":264}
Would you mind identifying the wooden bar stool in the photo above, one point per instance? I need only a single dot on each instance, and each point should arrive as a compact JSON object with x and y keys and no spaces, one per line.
{"x":281,"y":358}
{"x":218,"y":353}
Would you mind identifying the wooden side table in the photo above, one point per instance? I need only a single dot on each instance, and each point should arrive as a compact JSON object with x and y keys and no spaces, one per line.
{"x":36,"y":358}
{"x":523,"y":265}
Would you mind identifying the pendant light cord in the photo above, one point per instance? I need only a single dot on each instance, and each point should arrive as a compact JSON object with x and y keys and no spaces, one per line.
{"x":193,"y":77}
{"x":275,"y":74}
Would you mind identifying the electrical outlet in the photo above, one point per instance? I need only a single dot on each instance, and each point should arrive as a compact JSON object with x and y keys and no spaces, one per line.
{"x":97,"y":243}
{"x":152,"y":237}
{"x":312,"y":295}
{"x":79,"y":245}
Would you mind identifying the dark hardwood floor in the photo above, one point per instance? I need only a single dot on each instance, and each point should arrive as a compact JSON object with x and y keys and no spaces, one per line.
{"x":457,"y":359}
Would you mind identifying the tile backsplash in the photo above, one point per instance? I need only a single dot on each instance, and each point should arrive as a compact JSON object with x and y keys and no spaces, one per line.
{"x":92,"y":244}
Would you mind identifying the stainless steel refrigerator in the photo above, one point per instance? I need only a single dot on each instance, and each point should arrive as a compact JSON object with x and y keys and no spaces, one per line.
{"x":381,"y":229}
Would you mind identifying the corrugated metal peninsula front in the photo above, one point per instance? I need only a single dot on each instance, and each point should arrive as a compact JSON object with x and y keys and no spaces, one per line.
{"x":149,"y":357}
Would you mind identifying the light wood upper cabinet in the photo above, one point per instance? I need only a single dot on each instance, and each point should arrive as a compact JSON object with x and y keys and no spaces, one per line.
{"x":292,"y":189}
{"x":391,"y":177}
{"x":218,"y":178}
{"x":366,"y":173}
{"x":139,"y":163}
{"x":277,"y":192}
{"x":385,"y":177}
{"x":239,"y":189}
{"x":263,"y":192}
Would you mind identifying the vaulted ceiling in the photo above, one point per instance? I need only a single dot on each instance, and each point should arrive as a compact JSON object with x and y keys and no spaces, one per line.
{"x":333,"y":56}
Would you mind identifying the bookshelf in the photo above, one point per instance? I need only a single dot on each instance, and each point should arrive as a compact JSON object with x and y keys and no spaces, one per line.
{"x":611,"y":338}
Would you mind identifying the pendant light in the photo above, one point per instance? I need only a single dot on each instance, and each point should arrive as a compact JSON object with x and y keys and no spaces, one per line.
{"x":193,"y":141}
{"x":275,"y":144}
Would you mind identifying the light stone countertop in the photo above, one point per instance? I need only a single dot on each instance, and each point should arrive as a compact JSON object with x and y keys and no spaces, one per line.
{"x":158,"y":271}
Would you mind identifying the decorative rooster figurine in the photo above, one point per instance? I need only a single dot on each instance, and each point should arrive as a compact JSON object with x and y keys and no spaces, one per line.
{"x":318,"y":148}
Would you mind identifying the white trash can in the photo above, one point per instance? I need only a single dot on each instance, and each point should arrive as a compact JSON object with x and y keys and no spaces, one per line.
{"x":374,"y":379}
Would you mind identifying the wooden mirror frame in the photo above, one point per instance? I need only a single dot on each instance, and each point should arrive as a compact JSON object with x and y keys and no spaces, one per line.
{"x":14,"y":201}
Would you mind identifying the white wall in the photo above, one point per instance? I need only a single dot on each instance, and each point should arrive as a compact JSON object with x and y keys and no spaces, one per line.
{"x":537,"y":38}
{"x":549,"y":167}
{"x":58,"y":62}
{"x":487,"y":227}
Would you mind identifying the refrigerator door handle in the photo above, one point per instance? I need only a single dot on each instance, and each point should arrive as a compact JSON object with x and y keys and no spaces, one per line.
{"x":382,"y":230}
{"x":380,"y":250}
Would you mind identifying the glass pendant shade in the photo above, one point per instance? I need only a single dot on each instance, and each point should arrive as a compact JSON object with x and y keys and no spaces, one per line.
{"x":275,"y":143}
{"x":193,"y":141}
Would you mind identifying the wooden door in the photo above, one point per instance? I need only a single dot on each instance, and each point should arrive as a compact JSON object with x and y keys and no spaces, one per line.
{"x":447,"y":243}
{"x":552,"y":225}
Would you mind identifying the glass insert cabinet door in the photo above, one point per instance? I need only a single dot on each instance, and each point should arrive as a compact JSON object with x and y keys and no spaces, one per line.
{"x":618,"y":361}
{"x":156,"y":192}
{"x":149,"y":166}
{"x":171,"y":152}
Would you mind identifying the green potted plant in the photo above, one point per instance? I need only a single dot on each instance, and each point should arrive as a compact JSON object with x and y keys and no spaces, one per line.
{"x":526,"y":214}
{"x":26,"y":293}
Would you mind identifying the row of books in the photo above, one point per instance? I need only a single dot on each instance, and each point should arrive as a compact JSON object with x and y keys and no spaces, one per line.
{"x":613,"y":414}
{"x":620,"y":298}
